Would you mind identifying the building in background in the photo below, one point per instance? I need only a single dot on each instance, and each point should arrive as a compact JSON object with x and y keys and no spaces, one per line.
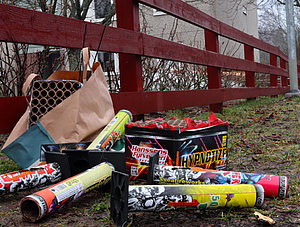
{"x":239,"y":14}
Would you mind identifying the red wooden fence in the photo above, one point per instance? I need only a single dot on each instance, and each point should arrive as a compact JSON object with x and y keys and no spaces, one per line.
{"x":26,"y":26}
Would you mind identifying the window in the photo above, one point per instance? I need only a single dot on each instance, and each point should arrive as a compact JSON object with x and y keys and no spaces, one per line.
{"x":158,"y":13}
{"x":244,"y":10}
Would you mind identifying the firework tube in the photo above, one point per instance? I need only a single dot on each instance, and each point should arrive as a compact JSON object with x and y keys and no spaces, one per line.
{"x":29,"y":178}
{"x":112,"y":132}
{"x":49,"y":200}
{"x":274,"y":186}
{"x":170,"y":197}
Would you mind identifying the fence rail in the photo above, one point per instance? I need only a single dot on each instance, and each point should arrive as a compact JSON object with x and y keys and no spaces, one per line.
{"x":32,"y":27}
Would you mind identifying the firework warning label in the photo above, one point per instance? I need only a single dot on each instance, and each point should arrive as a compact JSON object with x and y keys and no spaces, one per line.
{"x":142,"y":154}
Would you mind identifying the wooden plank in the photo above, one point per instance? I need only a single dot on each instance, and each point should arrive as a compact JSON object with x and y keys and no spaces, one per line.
{"x":12,"y":108}
{"x":188,"y":13}
{"x":156,"y":47}
{"x":148,"y":102}
{"x":33,"y":27}
{"x":131,"y":78}
{"x":46,"y":29}
{"x":250,"y":76}
{"x":273,"y":78}
{"x":213,"y":73}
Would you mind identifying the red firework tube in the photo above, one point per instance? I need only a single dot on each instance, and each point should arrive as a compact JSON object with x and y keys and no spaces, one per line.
{"x":47,"y":201}
{"x":133,"y":198}
{"x":29,"y":178}
{"x":274,"y":186}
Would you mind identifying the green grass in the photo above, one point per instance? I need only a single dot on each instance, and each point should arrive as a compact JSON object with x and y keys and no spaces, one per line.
{"x":264,"y":137}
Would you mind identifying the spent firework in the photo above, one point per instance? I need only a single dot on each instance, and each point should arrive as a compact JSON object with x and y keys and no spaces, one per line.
{"x":112,"y":132}
{"x":170,"y":197}
{"x":131,"y":198}
{"x":29,"y":178}
{"x":274,"y":186}
{"x":49,"y":200}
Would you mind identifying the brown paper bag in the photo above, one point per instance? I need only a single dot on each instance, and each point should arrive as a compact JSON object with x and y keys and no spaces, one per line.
{"x":80,"y":117}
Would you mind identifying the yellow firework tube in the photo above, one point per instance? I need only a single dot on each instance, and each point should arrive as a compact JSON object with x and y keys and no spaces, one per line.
{"x":112,"y":132}
{"x":145,"y":198}
{"x":130,"y":198}
{"x":47,"y":201}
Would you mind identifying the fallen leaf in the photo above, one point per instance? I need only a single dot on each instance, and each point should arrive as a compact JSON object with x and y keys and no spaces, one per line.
{"x":264,"y":218}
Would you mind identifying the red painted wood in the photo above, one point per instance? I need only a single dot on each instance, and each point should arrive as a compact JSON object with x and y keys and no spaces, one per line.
{"x":161,"y":101}
{"x":213,"y":73}
{"x":130,"y":65}
{"x":156,"y":47}
{"x":65,"y":32}
{"x":12,"y":108}
{"x":250,"y":76}
{"x":28,"y":26}
{"x":273,"y":77}
{"x":190,"y":14}
{"x":284,"y":81}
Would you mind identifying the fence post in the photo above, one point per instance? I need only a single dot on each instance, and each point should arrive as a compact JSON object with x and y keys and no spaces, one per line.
{"x":273,"y":78}
{"x":284,"y":81}
{"x":249,"y":55}
{"x":213,"y":73}
{"x":130,"y":65}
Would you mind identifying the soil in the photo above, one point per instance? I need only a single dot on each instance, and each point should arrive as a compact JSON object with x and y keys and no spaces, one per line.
{"x":93,"y":208}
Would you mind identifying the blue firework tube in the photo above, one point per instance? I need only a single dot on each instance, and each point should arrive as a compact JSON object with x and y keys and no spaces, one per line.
{"x":28,"y":179}
{"x":274,"y":186}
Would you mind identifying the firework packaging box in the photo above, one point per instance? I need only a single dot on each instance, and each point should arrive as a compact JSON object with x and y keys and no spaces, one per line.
{"x":202,"y":147}
{"x":60,"y":147}
{"x":79,"y":117}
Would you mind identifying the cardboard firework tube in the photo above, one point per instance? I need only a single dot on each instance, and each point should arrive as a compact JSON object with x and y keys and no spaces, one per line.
{"x":170,"y":197}
{"x":60,"y":85}
{"x":47,"y":201}
{"x":52,"y":85}
{"x":44,"y":84}
{"x":43,"y":101}
{"x":36,"y":93}
{"x":43,"y":93}
{"x":112,"y":132}
{"x":29,"y":178}
{"x":51,"y":101}
{"x":274,"y":186}
{"x":59,"y":93}
{"x":51,"y":93}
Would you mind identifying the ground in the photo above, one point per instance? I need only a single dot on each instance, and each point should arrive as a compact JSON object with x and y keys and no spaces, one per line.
{"x":264,"y":137}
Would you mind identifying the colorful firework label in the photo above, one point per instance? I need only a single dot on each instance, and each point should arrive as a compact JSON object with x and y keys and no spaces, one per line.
{"x":274,"y":186}
{"x":29,"y":178}
{"x":170,"y":197}
{"x":204,"y":147}
{"x":142,"y":154}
